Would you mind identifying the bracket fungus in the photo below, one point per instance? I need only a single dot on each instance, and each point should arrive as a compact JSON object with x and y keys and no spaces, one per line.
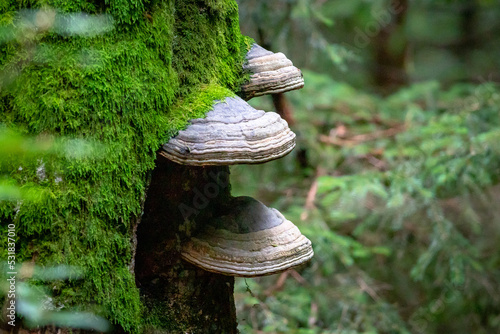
{"x":270,"y":73}
{"x":241,"y":236}
{"x":231,"y":133}
{"x":247,"y":240}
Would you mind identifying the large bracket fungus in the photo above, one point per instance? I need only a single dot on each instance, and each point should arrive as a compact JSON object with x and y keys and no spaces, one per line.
{"x":240,"y":236}
{"x":270,"y":73}
{"x":208,"y":228}
{"x":232,"y":133}
{"x":248,"y":239}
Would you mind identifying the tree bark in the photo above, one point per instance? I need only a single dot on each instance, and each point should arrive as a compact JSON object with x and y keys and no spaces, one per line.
{"x":180,"y":297}
{"x":283,"y":108}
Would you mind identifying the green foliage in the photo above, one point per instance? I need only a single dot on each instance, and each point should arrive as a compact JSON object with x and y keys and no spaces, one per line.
{"x":17,"y":150}
{"x":447,"y":40}
{"x":302,"y":23}
{"x":35,"y":305}
{"x":117,"y":88}
{"x":402,"y":222}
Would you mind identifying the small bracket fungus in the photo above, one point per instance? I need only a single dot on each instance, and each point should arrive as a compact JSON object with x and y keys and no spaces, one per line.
{"x":232,"y":133}
{"x":247,"y":240}
{"x":270,"y":73}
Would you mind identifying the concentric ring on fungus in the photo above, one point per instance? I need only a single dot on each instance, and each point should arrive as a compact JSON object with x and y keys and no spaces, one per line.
{"x":231,"y":133}
{"x":270,"y":73}
{"x":249,"y":240}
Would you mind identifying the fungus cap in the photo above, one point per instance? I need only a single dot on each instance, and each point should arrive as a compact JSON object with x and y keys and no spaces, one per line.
{"x":270,"y":73}
{"x":249,"y":240}
{"x":231,"y":133}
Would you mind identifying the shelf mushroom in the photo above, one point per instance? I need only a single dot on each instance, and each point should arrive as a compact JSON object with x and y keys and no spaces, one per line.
{"x":270,"y":73}
{"x":248,"y":240}
{"x":231,"y":133}
{"x":245,"y":238}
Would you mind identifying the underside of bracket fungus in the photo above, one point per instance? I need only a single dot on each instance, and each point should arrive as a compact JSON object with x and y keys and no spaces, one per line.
{"x":248,"y":240}
{"x":231,"y":133}
{"x":270,"y":73}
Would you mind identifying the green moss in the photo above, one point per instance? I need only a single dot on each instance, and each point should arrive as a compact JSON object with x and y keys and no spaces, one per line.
{"x":130,"y":89}
{"x":195,"y":105}
{"x":246,"y":45}
{"x":204,"y":35}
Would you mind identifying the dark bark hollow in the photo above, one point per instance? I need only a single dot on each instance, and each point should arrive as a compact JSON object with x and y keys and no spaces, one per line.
{"x":181,"y":298}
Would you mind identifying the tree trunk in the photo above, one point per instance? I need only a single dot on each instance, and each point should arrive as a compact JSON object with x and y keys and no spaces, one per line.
{"x":180,"y":297}
{"x":126,"y":89}
{"x":390,"y":62}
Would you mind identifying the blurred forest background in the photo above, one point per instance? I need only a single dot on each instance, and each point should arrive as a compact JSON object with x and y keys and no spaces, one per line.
{"x":394,"y":174}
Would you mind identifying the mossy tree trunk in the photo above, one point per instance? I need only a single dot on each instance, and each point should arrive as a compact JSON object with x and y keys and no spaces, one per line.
{"x":129,"y":89}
